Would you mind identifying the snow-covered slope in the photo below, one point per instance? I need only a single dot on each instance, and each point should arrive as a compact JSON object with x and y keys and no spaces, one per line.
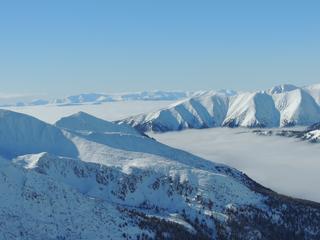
{"x":124,"y":185}
{"x":282,"y":88}
{"x":252,"y":110}
{"x":205,"y":110}
{"x":23,"y":134}
{"x":297,"y":107}
{"x":314,"y":91}
{"x":82,"y":121}
{"x":36,"y":206}
{"x":284,"y":105}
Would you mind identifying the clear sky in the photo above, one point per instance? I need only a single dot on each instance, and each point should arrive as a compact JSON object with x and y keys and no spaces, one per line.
{"x":71,"y":46}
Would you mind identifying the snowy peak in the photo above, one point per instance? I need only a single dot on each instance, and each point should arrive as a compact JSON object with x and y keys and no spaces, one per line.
{"x":282,"y":88}
{"x":22,"y":134}
{"x":252,"y":110}
{"x":207,"y":109}
{"x":297,"y":107}
{"x":314,"y":91}
{"x":82,"y":121}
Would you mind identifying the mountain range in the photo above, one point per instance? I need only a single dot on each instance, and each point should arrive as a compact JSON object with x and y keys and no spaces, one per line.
{"x":86,"y":178}
{"x":281,"y":106}
{"x":98,"y":98}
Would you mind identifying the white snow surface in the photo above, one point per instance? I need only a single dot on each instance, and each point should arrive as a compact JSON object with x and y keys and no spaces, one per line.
{"x":297,"y":107}
{"x":82,"y":121}
{"x":252,"y":109}
{"x":23,"y":134}
{"x":78,"y":196}
{"x":35,"y":206}
{"x":314,"y":90}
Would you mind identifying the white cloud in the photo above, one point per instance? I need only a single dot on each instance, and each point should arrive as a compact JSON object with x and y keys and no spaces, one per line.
{"x":286,"y":165}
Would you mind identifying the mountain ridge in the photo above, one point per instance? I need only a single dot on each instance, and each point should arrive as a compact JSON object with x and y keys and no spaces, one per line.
{"x":99,"y":98}
{"x":280,"y":106}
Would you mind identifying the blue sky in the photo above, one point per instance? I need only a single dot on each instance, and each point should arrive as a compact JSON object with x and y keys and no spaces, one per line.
{"x":64,"y":47}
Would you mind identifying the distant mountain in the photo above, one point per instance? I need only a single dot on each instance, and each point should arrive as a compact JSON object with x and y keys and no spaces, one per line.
{"x":281,"y":106}
{"x":123,"y":185}
{"x":82,"y":121}
{"x":37,"y":102}
{"x":138,"y":96}
{"x":98,"y":98}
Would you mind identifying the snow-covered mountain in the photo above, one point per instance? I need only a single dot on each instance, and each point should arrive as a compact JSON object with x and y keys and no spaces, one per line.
{"x":297,"y":107}
{"x":282,"y":88}
{"x":119,"y":184}
{"x":251,"y":110}
{"x":82,"y":121}
{"x":23,"y":134}
{"x":314,"y":90}
{"x":97,"y":98}
{"x":284,"y":105}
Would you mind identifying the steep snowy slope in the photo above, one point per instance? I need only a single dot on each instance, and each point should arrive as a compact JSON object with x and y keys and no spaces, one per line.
{"x":84,"y":122}
{"x":23,"y":134}
{"x":284,"y":105}
{"x":205,"y":110}
{"x":314,"y":91}
{"x":297,"y":107}
{"x":128,"y":185}
{"x":282,"y":88}
{"x":252,"y":110}
{"x":35,"y":206}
